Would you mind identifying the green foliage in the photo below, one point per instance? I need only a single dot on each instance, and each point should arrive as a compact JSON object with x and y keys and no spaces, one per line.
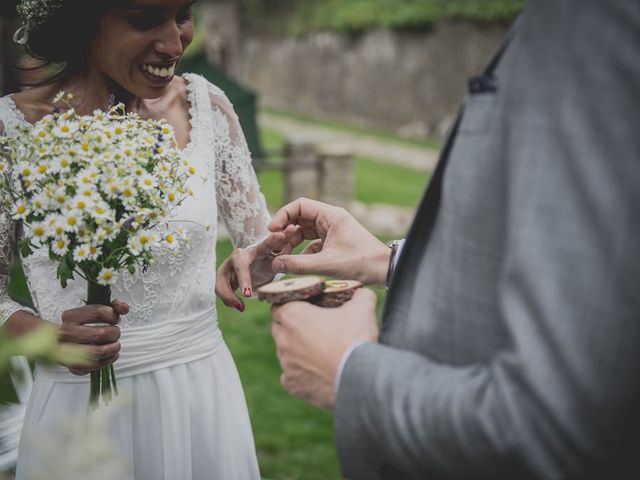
{"x":40,"y":344}
{"x":359,"y":15}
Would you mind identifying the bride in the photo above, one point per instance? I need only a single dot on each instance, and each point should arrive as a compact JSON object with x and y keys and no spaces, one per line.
{"x":187,"y":417}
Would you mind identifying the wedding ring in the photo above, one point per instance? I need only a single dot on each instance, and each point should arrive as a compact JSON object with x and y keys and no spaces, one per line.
{"x":275,"y":253}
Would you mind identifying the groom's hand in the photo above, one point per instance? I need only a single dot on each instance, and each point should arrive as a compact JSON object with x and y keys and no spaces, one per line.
{"x":311,"y":340}
{"x":341,"y":247}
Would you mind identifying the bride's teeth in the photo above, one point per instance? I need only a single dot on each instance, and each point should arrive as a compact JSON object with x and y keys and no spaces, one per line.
{"x":159,"y":72}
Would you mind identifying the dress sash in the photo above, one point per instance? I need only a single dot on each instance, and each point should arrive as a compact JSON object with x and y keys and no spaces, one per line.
{"x":152,"y":347}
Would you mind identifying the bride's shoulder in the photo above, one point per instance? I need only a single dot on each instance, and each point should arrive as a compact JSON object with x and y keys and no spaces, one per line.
{"x":195,"y":81}
{"x":33,"y":103}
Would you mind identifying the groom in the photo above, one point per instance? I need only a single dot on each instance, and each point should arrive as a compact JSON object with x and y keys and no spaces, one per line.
{"x":510,"y":341}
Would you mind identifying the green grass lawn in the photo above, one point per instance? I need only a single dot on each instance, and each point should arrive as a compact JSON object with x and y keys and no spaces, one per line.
{"x":293,"y":439}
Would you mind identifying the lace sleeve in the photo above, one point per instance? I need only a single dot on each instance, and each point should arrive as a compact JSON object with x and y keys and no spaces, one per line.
{"x":7,"y":306}
{"x":240,"y":202}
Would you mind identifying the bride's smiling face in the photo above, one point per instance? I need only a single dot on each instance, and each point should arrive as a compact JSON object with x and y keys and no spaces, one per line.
{"x":139,"y":45}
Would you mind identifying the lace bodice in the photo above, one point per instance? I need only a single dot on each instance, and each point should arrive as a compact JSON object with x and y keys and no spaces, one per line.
{"x":179,"y":284}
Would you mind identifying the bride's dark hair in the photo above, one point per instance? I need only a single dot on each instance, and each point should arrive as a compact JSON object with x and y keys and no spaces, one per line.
{"x":62,"y":42}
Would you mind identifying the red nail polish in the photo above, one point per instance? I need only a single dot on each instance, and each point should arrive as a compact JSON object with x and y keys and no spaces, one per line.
{"x":239,"y":307}
{"x":246,"y":292}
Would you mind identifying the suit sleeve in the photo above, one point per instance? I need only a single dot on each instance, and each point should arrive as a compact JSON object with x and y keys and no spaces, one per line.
{"x":562,"y":399}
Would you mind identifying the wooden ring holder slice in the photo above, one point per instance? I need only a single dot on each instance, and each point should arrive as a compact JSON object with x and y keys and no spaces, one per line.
{"x":291,"y":290}
{"x":336,"y":292}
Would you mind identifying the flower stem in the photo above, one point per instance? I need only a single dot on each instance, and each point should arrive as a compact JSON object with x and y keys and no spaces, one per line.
{"x":103,"y":381}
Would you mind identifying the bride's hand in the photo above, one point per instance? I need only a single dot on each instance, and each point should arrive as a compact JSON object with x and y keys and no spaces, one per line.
{"x":101,"y":338}
{"x":249,"y":267}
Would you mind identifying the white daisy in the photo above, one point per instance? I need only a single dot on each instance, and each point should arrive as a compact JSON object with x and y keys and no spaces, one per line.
{"x":60,"y":246}
{"x":72,"y":220}
{"x":142,"y":241}
{"x":40,"y":202}
{"x":147,"y":182}
{"x":65,"y":129}
{"x":38,"y":232}
{"x":55,"y":226}
{"x":81,"y":253}
{"x":94,"y":251}
{"x":20,"y":210}
{"x":107,"y":276}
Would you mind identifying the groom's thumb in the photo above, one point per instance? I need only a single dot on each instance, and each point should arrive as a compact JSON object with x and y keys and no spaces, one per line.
{"x":298,"y":264}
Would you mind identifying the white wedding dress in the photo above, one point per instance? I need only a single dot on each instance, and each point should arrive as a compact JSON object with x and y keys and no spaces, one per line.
{"x":181,"y":413}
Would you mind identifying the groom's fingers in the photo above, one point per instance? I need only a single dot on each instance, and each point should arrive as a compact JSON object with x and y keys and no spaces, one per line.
{"x":301,"y":264}
{"x":296,"y":212}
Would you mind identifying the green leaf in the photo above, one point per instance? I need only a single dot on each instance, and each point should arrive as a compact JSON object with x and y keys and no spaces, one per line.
{"x":24,"y":246}
{"x":64,"y":273}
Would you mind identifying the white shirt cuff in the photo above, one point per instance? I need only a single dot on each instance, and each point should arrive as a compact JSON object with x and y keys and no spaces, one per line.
{"x":345,"y":356}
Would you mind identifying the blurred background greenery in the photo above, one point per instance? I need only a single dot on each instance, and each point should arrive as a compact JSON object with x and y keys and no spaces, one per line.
{"x":298,"y":17}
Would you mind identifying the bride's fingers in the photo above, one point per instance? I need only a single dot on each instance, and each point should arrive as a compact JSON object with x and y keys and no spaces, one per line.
{"x":225,"y":287}
{"x":274,"y":242}
{"x":242,"y":260}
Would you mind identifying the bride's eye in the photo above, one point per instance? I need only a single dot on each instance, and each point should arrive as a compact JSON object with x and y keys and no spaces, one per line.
{"x":184,"y":16}
{"x":144,"y":22}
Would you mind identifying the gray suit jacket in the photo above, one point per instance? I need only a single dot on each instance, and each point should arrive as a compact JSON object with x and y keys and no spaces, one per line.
{"x":510,"y":343}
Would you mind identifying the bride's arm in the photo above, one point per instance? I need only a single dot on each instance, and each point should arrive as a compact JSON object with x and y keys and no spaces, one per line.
{"x":240,"y":202}
{"x":241,"y":205}
{"x":16,"y":318}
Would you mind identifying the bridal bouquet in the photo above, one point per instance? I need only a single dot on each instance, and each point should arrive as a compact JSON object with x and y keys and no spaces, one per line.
{"x":96,"y":192}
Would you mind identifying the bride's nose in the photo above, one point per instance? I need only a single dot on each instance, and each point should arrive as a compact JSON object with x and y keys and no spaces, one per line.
{"x":170,"y":41}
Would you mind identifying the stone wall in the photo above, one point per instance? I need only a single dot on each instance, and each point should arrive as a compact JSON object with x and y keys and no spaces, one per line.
{"x":410,"y":82}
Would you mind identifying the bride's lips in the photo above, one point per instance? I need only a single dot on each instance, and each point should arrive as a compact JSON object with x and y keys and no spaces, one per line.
{"x":159,"y":73}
